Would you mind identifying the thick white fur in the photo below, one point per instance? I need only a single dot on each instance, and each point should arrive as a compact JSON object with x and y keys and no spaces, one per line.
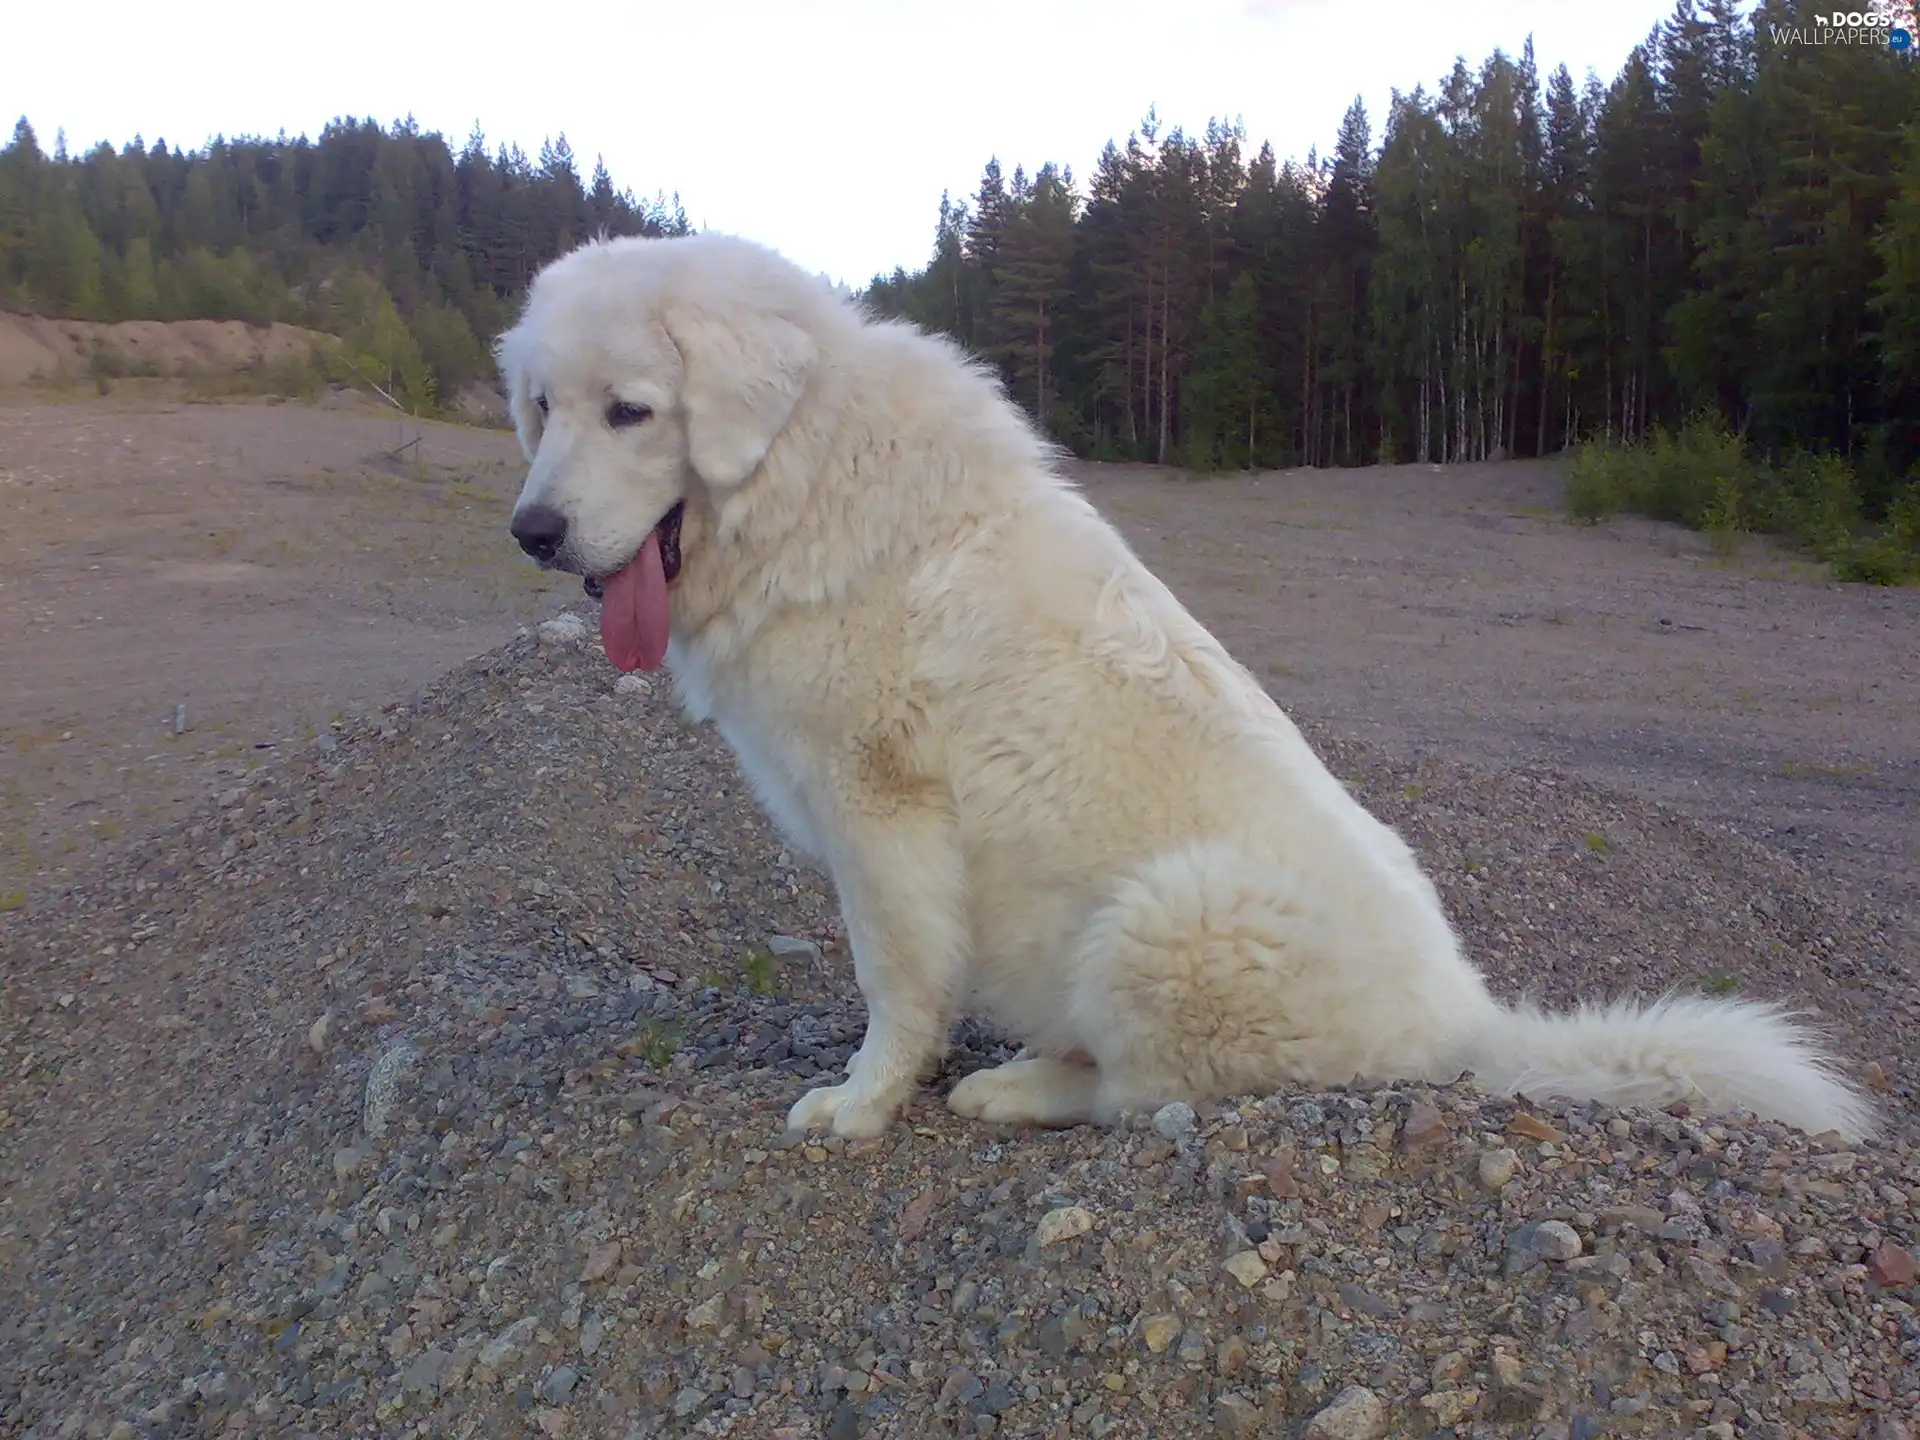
{"x":1041,"y":788}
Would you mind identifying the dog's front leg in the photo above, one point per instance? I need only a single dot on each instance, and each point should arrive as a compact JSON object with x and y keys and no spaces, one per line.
{"x":901,"y":885}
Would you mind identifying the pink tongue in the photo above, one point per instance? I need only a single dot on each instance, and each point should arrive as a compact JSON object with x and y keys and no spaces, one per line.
{"x":633,"y":611}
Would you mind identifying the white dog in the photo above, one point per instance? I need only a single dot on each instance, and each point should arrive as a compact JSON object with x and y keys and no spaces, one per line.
{"x":1040,"y":786}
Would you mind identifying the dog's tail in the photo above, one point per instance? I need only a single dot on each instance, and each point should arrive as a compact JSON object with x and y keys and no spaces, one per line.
{"x":1717,"y":1055}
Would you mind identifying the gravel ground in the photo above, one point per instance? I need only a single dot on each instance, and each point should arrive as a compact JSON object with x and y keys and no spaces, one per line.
{"x":430,"y":1082}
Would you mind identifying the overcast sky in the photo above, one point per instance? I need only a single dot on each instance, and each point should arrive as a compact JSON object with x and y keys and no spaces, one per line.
{"x":827,"y":128}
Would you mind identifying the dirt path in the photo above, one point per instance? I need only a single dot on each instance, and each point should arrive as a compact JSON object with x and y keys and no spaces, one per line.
{"x":1452,"y":612}
{"x":273,"y":566}
{"x":269,"y":567}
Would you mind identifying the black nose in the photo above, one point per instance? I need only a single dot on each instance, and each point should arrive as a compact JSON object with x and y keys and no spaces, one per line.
{"x":541,"y":530}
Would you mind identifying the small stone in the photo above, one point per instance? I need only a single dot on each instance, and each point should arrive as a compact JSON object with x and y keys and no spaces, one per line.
{"x":563,"y":629}
{"x":1236,"y":1416}
{"x":1532,"y":1127}
{"x":559,"y":1385}
{"x":1548,"y":1240}
{"x":1454,"y":1365}
{"x":1063,"y":1223}
{"x":1891,"y":1264}
{"x":1159,"y":1331}
{"x":347,"y":1163}
{"x":602,"y":1262}
{"x":1450,"y":1407}
{"x":423,"y":1377}
{"x":634,"y":685}
{"x":1874,"y":1075}
{"x":122,"y":1430}
{"x":383,"y":1086}
{"x":1233,"y":1356}
{"x":1355,"y":1414}
{"x":789,"y":947}
{"x":1175,"y":1120}
{"x":319,"y":1032}
{"x":1497,"y":1169}
{"x":1246,"y":1267}
{"x":505,"y":1348}
{"x":708,"y":1314}
{"x":1425,"y":1126}
{"x":593,"y":1334}
{"x":687,"y":1401}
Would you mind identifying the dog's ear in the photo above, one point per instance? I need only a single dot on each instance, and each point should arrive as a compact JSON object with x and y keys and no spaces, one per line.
{"x":527,"y":422}
{"x":743,"y":378}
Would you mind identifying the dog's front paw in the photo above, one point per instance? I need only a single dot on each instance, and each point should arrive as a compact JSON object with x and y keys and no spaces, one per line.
{"x":842,"y":1110}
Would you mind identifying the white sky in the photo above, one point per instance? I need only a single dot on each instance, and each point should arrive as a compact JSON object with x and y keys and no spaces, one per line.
{"x":826,"y":128}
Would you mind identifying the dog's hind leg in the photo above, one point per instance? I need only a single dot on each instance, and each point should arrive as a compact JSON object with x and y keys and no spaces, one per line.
{"x":901,"y":886}
{"x":1040,"y":1091}
{"x":1206,"y":976}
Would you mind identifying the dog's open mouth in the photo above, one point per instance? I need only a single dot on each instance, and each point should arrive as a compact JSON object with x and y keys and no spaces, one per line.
{"x":633,"y":599}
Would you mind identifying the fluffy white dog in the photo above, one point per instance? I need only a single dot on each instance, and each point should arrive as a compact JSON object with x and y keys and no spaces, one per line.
{"x":1042,"y":789}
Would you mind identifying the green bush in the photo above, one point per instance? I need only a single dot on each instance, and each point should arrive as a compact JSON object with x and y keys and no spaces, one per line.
{"x":1699,"y":477}
{"x":1596,"y":484}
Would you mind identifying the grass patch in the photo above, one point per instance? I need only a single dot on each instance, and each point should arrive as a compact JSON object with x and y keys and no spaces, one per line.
{"x":1701,"y":477}
{"x":1597,"y":843}
{"x":657,"y":1042}
{"x":762,"y":971}
{"x":1720,"y":983}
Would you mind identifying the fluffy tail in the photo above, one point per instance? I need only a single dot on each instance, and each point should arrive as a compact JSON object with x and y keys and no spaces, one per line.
{"x":1716,"y":1055}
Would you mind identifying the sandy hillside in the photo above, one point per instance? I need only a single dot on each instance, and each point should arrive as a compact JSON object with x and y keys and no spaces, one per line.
{"x":33,"y":348}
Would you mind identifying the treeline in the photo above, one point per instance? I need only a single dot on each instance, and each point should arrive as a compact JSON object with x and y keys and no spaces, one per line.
{"x":413,"y":254}
{"x":1731,"y":228}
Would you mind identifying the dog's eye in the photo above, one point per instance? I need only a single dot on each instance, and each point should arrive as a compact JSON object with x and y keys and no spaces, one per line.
{"x":620,"y":415}
{"x":540,"y":401}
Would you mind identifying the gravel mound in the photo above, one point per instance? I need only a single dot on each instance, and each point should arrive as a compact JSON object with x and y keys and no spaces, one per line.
{"x":432,"y":1084}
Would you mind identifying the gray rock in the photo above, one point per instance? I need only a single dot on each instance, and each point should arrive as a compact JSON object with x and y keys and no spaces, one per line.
{"x":1173,"y":1121}
{"x":383,"y":1086}
{"x":593,"y":1334}
{"x":505,"y":1348}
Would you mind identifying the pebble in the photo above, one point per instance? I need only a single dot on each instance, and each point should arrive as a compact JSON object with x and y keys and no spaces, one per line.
{"x":559,"y":1385}
{"x":1063,"y":1223}
{"x":789,"y":947}
{"x":1497,"y":1169}
{"x":1246,"y":1267}
{"x":1355,"y":1414}
{"x":1891,"y":1264}
{"x":1159,"y":1331}
{"x":563,"y":629}
{"x":1546,"y":1240}
{"x":1236,"y":1416}
{"x":602,"y":1262}
{"x":505,"y":1348}
{"x":593,"y":1335}
{"x":383,"y":1086}
{"x":1175,"y":1120}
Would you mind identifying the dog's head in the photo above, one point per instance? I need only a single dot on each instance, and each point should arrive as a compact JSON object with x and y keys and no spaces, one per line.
{"x":644,"y":374}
